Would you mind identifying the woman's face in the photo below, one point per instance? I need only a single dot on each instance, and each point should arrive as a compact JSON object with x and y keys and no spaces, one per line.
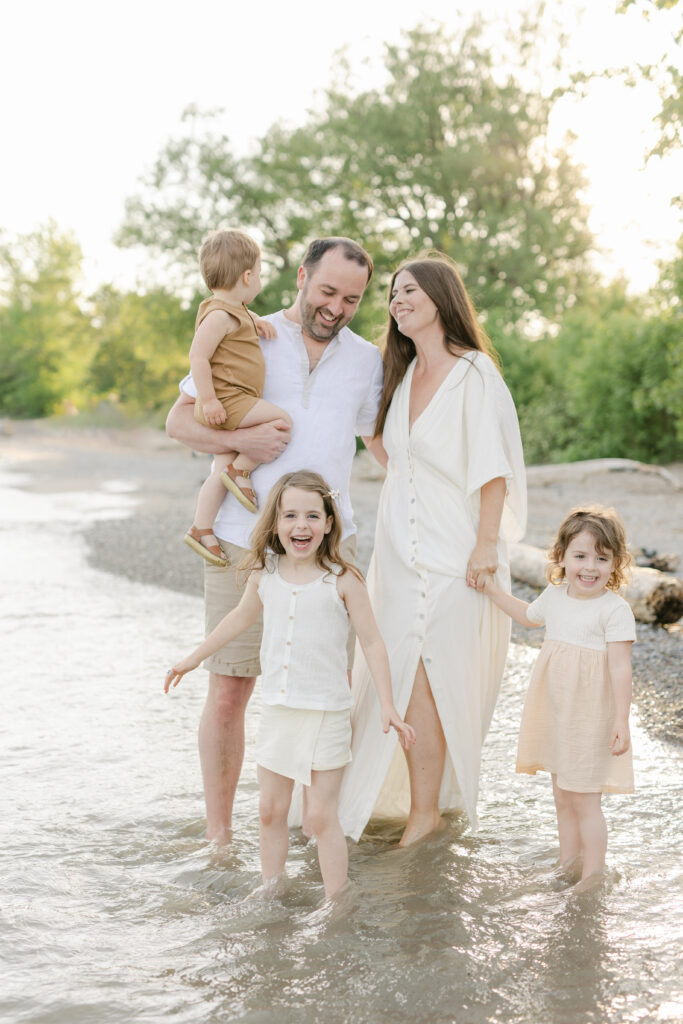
{"x":411,"y":308}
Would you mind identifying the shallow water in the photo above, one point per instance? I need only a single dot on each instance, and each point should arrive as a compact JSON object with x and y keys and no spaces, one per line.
{"x":115,"y":909}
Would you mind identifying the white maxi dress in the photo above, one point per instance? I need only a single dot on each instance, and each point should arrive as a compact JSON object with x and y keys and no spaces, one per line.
{"x":426,"y":530}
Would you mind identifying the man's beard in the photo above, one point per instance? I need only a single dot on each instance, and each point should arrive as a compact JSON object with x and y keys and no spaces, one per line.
{"x":314,"y":329}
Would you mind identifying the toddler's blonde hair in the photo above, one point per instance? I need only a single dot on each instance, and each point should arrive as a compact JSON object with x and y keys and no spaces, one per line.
{"x":224,"y":256}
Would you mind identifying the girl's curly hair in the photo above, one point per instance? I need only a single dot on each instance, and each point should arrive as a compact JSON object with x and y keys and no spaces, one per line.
{"x":610,"y":538}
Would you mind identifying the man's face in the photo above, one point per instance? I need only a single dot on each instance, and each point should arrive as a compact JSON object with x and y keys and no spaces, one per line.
{"x":330,"y":294}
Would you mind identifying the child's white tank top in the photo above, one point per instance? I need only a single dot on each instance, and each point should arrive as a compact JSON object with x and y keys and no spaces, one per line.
{"x":303,"y":650}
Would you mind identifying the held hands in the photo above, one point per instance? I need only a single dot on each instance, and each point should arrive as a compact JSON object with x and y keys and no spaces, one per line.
{"x":392,"y":719}
{"x":482,"y":565}
{"x":264,"y":328}
{"x":214,"y":413}
{"x":620,"y":739}
{"x":175,"y":674}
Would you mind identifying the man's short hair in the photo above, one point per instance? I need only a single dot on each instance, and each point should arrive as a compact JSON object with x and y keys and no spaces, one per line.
{"x":352,"y":251}
{"x":224,"y":256}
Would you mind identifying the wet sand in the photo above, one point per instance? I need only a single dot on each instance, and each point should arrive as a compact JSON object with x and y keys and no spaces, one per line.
{"x":164,"y":478}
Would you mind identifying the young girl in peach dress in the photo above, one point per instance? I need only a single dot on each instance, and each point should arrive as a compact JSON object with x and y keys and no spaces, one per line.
{"x":575,"y":719}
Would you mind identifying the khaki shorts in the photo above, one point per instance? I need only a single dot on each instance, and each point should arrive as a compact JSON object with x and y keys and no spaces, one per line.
{"x":222,"y":594}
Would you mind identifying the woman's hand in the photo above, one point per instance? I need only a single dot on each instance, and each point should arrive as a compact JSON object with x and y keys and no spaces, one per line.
{"x":482,"y":564}
{"x":175,"y":674}
{"x":392,"y":719}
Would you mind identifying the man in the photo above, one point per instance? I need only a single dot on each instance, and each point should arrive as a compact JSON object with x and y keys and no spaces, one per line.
{"x":329,"y":380}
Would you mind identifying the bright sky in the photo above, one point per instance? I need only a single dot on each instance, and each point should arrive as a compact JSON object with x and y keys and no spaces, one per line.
{"x":91,"y":92}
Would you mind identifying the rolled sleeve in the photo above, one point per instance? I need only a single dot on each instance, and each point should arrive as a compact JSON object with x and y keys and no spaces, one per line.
{"x":367,"y":413}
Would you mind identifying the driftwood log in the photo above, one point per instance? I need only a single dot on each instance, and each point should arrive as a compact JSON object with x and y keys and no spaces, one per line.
{"x":654,"y":596}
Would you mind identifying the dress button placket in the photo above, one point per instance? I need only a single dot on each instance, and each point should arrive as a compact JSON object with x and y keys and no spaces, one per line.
{"x":414,"y":547}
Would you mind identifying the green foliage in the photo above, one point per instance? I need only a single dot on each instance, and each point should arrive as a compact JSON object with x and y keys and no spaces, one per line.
{"x":45,"y":339}
{"x":448,"y":154}
{"x":143,"y":343}
{"x":609,"y":384}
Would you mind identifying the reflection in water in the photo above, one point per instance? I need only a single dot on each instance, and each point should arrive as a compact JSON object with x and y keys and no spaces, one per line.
{"x":117,"y":910}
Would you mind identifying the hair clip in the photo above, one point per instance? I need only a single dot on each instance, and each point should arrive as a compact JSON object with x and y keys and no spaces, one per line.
{"x":333,"y":494}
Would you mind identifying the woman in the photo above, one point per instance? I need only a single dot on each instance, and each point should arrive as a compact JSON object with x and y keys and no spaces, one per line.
{"x":455,"y":491}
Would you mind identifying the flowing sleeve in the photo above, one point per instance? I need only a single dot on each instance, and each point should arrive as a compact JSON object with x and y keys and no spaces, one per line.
{"x":494,"y":444}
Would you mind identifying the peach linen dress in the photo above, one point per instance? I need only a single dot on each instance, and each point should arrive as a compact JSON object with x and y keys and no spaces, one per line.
{"x":569,"y":709}
{"x":426,"y":530}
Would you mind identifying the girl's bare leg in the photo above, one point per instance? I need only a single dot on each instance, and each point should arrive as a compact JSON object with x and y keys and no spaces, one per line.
{"x":567,"y":824}
{"x":212,"y":493}
{"x":275,"y":796}
{"x":593,"y":831}
{"x":322,"y":819}
{"x":425,"y":761}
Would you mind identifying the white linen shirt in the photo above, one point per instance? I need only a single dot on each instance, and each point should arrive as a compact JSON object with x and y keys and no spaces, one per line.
{"x":329,"y":406}
{"x":303,"y":650}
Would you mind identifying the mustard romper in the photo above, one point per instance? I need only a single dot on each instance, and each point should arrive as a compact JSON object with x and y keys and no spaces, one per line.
{"x":569,"y":709}
{"x":238,"y":368}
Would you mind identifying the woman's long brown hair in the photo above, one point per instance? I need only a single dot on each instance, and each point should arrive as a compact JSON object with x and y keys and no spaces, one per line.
{"x":439,"y":279}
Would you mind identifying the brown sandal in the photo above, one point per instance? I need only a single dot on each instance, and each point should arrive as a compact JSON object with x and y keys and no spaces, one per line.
{"x":211,"y":552}
{"x":245,"y":495}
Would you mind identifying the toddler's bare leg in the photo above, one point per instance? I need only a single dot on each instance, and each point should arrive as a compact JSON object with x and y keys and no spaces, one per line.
{"x":567,"y":824}
{"x":275,"y":796}
{"x":323,"y":820}
{"x":262,"y":412}
{"x":212,"y":492}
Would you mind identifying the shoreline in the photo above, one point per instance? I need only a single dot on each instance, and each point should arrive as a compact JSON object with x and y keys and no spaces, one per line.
{"x":164,"y":478}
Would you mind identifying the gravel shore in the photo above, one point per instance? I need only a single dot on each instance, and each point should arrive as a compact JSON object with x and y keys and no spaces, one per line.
{"x":164,"y":477}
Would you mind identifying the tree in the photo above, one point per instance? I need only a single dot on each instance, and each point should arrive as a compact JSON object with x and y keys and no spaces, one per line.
{"x":45,"y":339}
{"x":447,"y":154}
{"x":143,"y":343}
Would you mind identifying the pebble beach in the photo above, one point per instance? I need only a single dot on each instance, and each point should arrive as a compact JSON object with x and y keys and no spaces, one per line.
{"x":163,"y":478}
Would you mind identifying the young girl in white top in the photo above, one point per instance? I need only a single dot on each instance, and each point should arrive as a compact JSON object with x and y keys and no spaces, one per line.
{"x":308,"y":593}
{"x":575,"y":719}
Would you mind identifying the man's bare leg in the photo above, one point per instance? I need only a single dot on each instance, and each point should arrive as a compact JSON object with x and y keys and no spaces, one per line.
{"x":221,"y":748}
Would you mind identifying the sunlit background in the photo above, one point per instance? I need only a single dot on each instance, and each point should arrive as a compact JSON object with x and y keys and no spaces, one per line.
{"x":539,"y":145}
{"x":91,"y":92}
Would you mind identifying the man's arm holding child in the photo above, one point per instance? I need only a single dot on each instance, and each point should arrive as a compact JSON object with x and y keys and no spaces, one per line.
{"x":262,"y":443}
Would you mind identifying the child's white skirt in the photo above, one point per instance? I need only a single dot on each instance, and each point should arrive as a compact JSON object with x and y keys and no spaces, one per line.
{"x":295,"y":741}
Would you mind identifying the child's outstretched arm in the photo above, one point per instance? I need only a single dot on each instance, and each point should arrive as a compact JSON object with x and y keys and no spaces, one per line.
{"x":355,"y":596}
{"x":234,"y":623}
{"x":619,"y":666}
{"x":210,"y":332}
{"x":512,"y":606}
